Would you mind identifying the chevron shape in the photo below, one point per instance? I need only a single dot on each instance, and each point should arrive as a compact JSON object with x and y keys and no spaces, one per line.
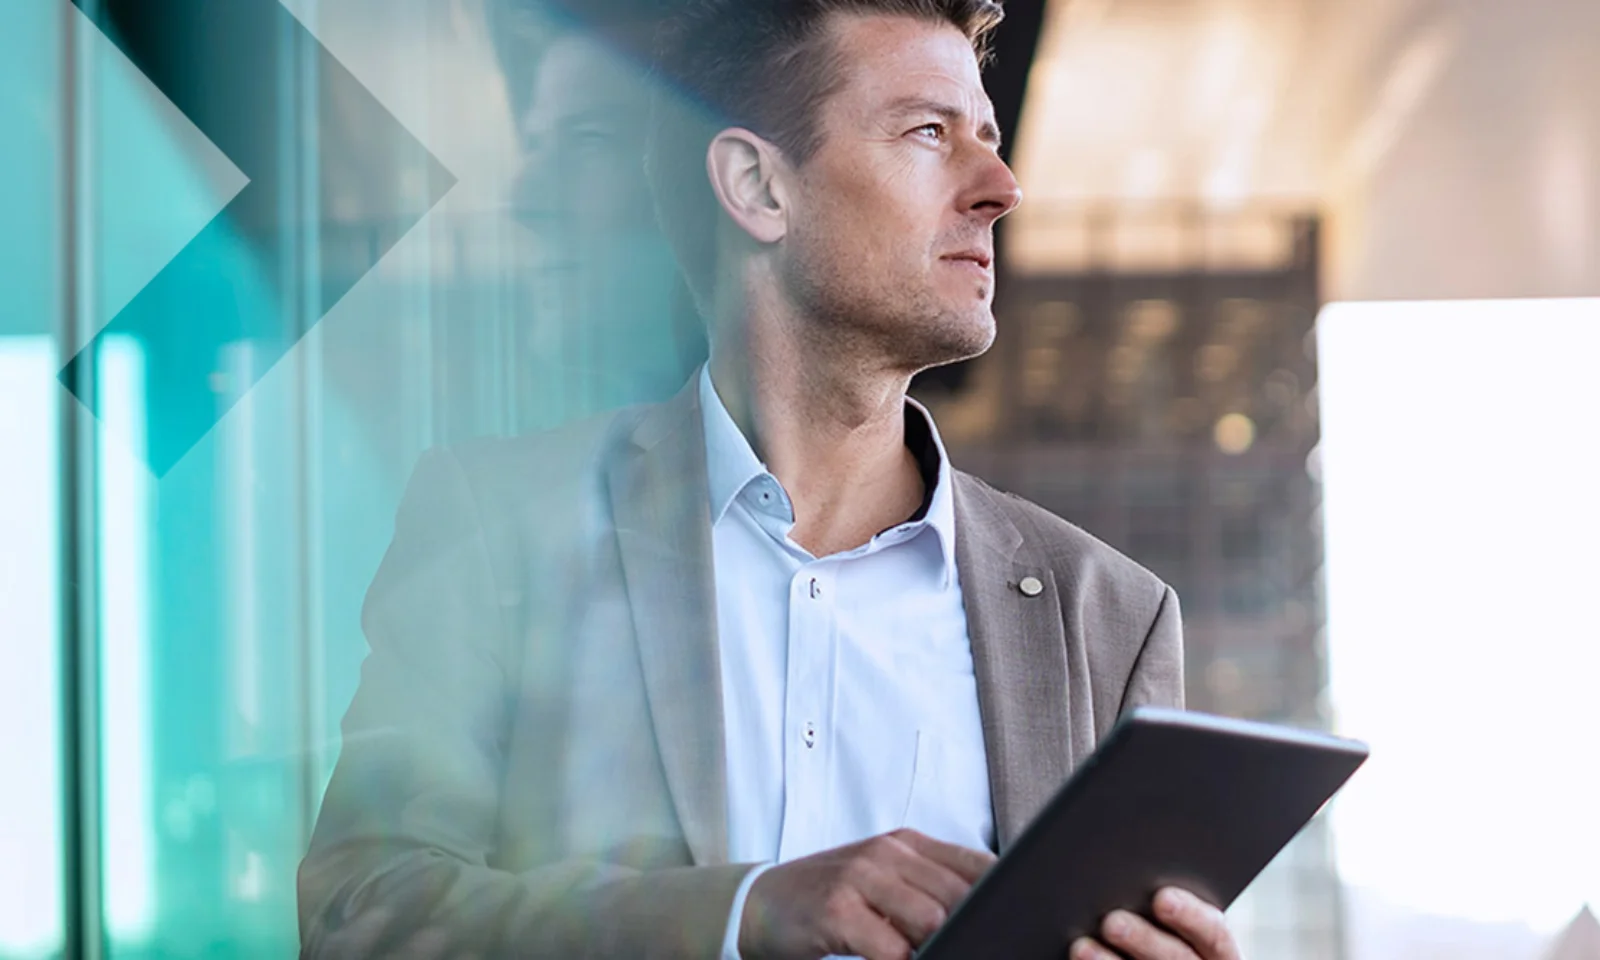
{"x":253,"y":80}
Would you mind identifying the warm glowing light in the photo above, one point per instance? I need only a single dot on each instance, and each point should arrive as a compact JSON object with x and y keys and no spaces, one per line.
{"x":1234,"y":433}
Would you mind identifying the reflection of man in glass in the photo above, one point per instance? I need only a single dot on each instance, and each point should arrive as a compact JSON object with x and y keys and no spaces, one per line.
{"x":754,"y":672}
{"x":616,"y":326}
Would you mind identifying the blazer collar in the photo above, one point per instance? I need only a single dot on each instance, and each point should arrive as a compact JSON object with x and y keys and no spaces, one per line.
{"x":657,"y":485}
{"x":1019,"y":656}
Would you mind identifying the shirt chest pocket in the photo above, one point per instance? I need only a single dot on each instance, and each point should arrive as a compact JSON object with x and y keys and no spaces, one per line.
{"x":948,"y":798}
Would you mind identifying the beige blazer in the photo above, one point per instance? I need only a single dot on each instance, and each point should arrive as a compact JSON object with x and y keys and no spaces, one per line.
{"x":533,"y":766}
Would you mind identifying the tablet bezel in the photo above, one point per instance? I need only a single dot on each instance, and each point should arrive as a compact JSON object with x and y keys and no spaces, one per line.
{"x":1333,"y":759}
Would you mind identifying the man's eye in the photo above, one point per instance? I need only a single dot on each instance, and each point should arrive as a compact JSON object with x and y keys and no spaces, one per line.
{"x":933,"y":131}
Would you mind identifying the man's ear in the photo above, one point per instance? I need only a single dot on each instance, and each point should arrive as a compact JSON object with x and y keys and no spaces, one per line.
{"x":744,"y":171}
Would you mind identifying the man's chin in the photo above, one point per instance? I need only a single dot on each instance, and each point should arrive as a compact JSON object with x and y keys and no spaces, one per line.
{"x":954,"y":338}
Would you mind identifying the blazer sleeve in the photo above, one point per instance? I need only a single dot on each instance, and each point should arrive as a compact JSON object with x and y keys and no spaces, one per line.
{"x":402,"y":855}
{"x":1157,"y":677}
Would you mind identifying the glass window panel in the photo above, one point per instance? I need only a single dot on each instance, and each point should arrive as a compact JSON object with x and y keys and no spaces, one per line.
{"x":32,"y":867}
{"x":30,"y":682}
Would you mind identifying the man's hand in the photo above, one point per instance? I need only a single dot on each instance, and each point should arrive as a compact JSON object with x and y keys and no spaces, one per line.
{"x":1195,"y":930}
{"x":878,"y":899}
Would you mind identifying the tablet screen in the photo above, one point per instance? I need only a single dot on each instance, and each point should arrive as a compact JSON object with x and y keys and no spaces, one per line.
{"x":1168,"y":799}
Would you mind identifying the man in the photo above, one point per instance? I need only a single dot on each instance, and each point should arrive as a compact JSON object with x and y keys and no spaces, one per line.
{"x":611,"y":323}
{"x":753,"y":673}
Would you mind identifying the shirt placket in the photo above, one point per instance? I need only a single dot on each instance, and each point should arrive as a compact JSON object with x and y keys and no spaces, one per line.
{"x":808,"y":721}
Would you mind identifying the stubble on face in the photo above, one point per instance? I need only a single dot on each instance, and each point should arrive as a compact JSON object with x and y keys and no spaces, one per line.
{"x":860,"y":312}
{"x":880,"y":206}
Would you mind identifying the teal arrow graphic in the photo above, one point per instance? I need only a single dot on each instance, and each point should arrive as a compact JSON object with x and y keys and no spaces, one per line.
{"x":334,"y":182}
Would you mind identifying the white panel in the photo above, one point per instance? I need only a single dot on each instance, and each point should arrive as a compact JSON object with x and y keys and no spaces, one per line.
{"x":30,"y":832}
{"x":127,"y":762}
{"x":1462,"y":501}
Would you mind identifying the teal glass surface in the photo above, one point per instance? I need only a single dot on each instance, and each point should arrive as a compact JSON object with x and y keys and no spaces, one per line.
{"x":32,"y":812}
{"x":198,"y":750}
{"x":219,"y":625}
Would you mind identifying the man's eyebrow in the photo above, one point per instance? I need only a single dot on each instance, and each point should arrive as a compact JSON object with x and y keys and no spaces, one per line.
{"x":988,"y":130}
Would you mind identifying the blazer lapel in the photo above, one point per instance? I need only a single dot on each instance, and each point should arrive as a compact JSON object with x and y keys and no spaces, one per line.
{"x":663,"y":526}
{"x":1019,"y":656}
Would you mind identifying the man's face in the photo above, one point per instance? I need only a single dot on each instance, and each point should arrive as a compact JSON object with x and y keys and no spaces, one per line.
{"x":892,"y":230}
{"x":581,"y":186}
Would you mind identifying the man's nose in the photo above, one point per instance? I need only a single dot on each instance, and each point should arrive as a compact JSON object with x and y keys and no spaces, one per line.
{"x":995,"y":191}
{"x":536,"y":197}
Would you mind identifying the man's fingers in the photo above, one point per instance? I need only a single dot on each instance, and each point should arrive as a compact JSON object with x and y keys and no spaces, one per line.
{"x":878,"y":899}
{"x":1197,"y":922}
{"x":1085,"y":948}
{"x":1194,"y":930}
{"x":965,"y":862}
{"x":926,"y":874}
{"x":866,"y":933}
{"x":936,"y":880}
{"x":912,"y":911}
{"x":1142,"y":940}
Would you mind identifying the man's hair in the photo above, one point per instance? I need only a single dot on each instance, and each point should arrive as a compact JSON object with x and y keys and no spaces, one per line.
{"x":767,"y":66}
{"x":521,"y":31}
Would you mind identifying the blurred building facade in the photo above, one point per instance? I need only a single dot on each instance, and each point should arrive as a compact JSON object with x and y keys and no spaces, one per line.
{"x":1158,"y":390}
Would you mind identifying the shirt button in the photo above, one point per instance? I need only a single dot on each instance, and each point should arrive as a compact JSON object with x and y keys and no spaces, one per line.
{"x":810,"y":736}
{"x":816,"y":589}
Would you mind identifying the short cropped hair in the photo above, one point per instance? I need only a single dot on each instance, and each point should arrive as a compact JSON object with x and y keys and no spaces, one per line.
{"x":767,"y":66}
{"x":520,"y":31}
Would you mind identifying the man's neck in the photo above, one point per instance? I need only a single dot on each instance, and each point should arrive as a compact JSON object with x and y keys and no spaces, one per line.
{"x":831,"y":429}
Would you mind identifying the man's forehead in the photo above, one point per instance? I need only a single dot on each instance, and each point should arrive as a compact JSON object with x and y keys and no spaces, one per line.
{"x":892,"y":58}
{"x":579,"y":75}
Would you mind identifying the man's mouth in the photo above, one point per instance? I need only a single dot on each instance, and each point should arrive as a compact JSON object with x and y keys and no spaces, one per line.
{"x":980,"y":258}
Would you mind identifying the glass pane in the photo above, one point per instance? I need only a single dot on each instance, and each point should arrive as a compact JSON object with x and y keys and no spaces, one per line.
{"x":31,"y":838}
{"x":199,"y":754}
{"x":31,"y":857}
{"x":312,"y":239}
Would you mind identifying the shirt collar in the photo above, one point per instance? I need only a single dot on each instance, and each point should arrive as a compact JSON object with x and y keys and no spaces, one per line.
{"x":731,"y":465}
{"x":730,"y":462}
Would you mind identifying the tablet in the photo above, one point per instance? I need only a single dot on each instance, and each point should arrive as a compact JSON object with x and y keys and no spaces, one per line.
{"x":1168,"y":799}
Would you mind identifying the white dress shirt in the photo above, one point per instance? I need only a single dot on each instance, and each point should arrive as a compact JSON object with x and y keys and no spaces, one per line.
{"x":849,"y":700}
